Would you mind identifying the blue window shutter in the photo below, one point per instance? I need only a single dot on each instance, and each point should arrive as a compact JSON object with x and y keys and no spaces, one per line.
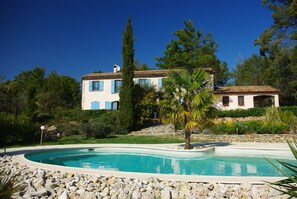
{"x":90,"y":85}
{"x":148,"y":82}
{"x":159,"y":83}
{"x":107,"y":105}
{"x":101,"y":85}
{"x":95,"y":105}
{"x":112,"y":86}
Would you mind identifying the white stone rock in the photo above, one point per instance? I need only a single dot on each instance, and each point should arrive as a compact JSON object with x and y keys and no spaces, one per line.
{"x":64,"y":195}
{"x":246,"y":186}
{"x":165,"y":193}
{"x":136,"y":194}
{"x":90,"y":195}
{"x":72,"y":188}
{"x":39,"y":193}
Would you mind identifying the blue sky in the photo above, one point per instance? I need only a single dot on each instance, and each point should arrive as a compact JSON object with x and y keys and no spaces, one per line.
{"x":77,"y":37}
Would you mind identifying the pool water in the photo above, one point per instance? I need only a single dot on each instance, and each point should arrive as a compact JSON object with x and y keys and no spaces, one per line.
{"x":148,"y":162}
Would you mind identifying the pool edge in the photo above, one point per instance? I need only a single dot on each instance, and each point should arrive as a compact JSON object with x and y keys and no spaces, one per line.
{"x":19,"y":158}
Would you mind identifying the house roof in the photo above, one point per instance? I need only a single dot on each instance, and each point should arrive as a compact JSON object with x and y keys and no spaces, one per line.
{"x":137,"y":74}
{"x":245,"y":89}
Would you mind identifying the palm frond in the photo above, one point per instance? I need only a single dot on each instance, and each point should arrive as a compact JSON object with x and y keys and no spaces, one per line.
{"x":190,"y":125}
{"x":293,"y":148}
{"x":288,"y":185}
{"x":8,"y":185}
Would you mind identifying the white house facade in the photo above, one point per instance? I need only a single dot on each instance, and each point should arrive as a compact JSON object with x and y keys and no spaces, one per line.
{"x":101,"y":91}
{"x":245,"y":97}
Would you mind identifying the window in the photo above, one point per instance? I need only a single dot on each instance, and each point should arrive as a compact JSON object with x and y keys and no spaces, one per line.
{"x":117,"y":86}
{"x":96,"y":85}
{"x":160,"y":83}
{"x":142,"y":82}
{"x":240,"y":100}
{"x":225,"y":100}
{"x":115,"y":105}
{"x":95,"y":105}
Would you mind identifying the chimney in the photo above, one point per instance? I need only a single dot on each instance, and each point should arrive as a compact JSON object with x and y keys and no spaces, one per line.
{"x":116,"y":68}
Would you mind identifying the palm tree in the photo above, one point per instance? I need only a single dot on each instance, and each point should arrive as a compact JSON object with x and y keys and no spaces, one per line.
{"x":188,"y":101}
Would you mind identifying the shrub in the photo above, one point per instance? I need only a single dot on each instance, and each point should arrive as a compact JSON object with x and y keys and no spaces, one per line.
{"x":103,"y":126}
{"x":224,"y":128}
{"x":289,"y":119}
{"x":68,"y":129}
{"x":292,"y":109}
{"x":250,"y":127}
{"x":16,"y":130}
{"x":277,"y":128}
{"x":252,"y":112}
{"x":272,"y":115}
{"x":254,"y":126}
{"x":76,"y":114}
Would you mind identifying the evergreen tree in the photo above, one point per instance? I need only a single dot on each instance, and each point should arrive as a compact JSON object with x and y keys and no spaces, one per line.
{"x":251,"y":71}
{"x":283,"y":32}
{"x":193,"y":49}
{"x":127,"y":109}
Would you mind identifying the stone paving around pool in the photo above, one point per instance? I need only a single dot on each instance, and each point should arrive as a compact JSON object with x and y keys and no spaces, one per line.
{"x":40,"y":183}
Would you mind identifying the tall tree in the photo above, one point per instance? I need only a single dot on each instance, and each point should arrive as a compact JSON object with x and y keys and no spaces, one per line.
{"x":187,"y":100}
{"x":283,"y":32}
{"x":193,"y":49}
{"x":28,"y":85}
{"x":127,"y":108}
{"x":251,"y":71}
{"x":59,"y":91}
{"x":278,"y":44}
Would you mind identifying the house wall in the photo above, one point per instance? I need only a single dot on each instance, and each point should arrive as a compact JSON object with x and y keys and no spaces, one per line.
{"x":248,"y":100}
{"x":106,"y":94}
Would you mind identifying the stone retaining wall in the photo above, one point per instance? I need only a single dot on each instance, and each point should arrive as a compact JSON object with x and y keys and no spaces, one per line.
{"x":169,"y":130}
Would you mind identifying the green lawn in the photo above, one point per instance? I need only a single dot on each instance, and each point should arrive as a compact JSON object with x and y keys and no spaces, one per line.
{"x":120,"y":139}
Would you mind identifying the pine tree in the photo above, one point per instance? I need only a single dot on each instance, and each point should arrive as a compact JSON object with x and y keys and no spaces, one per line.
{"x":127,"y":108}
{"x":192,"y":49}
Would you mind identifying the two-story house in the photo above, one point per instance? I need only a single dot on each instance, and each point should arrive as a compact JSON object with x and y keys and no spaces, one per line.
{"x":101,"y":90}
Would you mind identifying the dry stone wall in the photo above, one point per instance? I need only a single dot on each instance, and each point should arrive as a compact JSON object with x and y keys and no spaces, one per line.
{"x":169,"y":130}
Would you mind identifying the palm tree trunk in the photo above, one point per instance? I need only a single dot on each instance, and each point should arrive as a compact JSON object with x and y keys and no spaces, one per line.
{"x":187,"y":139}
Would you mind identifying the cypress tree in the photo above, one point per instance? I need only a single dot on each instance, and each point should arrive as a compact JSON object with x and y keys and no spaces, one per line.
{"x":127,"y":108}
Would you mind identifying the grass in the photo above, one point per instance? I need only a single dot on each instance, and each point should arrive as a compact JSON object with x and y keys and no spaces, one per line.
{"x":119,"y":139}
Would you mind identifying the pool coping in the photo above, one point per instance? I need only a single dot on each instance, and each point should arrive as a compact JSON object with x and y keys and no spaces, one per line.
{"x":281,"y":148}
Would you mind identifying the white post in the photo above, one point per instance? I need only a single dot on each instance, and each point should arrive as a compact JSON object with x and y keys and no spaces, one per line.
{"x":42,"y":129}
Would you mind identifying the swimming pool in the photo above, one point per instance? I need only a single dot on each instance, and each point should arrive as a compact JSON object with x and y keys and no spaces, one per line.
{"x":143,"y":160}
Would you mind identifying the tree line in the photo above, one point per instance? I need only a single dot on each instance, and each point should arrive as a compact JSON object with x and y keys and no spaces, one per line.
{"x":275,"y":64}
{"x":33,"y":94}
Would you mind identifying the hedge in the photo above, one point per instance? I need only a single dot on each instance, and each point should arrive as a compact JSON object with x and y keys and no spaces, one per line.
{"x":252,"y":112}
{"x":250,"y":127}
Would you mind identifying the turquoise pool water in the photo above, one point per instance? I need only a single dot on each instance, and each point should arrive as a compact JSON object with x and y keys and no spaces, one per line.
{"x":150,"y":162}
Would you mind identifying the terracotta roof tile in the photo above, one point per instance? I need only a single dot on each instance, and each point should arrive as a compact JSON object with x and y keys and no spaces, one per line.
{"x":245,"y":89}
{"x":137,"y":74}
